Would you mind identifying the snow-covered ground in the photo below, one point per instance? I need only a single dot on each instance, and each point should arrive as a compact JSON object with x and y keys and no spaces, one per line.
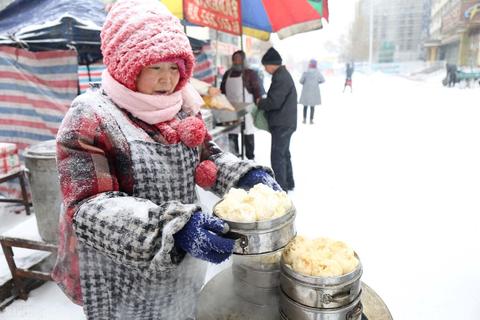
{"x":394,"y":170}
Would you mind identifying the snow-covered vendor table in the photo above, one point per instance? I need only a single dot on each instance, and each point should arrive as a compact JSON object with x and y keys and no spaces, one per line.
{"x":32,"y":250}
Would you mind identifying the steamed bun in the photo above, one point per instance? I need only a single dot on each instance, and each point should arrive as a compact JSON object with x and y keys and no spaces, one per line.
{"x":260,"y":203}
{"x":320,"y":257}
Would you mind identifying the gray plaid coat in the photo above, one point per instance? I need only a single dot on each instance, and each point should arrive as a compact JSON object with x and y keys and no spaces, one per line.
{"x":128,"y":265}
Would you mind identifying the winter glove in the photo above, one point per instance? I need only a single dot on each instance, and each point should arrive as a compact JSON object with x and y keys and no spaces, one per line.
{"x":200,"y":237}
{"x":256,"y":176}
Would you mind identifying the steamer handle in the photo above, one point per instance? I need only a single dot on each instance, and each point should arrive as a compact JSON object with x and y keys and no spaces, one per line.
{"x":241,"y":240}
{"x":355,"y":313}
{"x":342,"y":297}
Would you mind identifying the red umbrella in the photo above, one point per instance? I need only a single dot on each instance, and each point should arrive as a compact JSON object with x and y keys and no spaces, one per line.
{"x":259,"y":18}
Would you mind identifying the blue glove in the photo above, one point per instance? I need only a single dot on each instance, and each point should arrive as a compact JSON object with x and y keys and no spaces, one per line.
{"x":256,"y":176}
{"x":200,"y":237}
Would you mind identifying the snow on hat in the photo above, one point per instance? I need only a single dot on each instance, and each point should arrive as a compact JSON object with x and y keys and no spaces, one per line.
{"x":272,"y":57}
{"x":139,"y":33}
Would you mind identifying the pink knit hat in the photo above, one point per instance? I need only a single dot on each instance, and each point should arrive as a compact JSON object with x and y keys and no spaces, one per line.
{"x":139,"y":33}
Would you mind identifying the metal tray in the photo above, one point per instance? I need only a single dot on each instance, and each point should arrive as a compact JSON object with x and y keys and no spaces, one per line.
{"x":225,"y":116}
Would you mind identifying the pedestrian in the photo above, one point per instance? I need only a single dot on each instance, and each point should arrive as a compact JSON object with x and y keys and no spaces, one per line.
{"x":280,"y":107}
{"x":310,"y":97}
{"x":241,"y":84}
{"x":133,"y":240}
{"x":349,"y":68}
{"x":452,"y":74}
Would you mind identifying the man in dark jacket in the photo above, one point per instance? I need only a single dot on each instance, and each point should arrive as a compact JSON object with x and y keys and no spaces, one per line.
{"x":280,"y":106}
{"x":241,"y":84}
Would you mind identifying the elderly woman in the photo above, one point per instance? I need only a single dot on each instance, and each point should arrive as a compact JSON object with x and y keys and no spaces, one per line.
{"x":133,"y":239}
{"x":311,"y":91}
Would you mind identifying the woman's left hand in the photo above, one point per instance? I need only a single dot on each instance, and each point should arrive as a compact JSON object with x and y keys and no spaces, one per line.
{"x":256,"y":176}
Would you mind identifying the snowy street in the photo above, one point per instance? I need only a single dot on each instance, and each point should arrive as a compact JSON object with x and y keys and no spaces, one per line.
{"x":393,"y":169}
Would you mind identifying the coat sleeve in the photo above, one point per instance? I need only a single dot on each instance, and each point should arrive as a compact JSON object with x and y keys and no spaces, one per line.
{"x":277,"y":94}
{"x":128,"y":229}
{"x":133,"y":231}
{"x":223,"y":84}
{"x":302,"y":78}
{"x":253,"y":84}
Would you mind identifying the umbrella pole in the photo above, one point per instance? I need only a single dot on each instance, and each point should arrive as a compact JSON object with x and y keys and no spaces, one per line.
{"x":242,"y":125}
{"x":216,"y":58}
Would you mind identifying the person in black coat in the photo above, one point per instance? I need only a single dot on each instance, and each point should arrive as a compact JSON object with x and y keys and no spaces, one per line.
{"x":280,"y":107}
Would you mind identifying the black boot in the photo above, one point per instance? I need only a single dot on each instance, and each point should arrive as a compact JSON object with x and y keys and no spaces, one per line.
{"x":250,"y":146}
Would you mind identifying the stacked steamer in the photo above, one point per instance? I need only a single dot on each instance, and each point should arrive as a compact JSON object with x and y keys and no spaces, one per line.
{"x":261,"y":221}
{"x":320,"y":280}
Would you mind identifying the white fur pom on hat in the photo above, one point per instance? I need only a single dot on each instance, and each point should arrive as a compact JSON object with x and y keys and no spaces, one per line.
{"x":139,"y":33}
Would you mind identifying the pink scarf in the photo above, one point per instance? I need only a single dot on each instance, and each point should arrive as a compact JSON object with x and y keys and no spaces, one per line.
{"x":152,"y":109}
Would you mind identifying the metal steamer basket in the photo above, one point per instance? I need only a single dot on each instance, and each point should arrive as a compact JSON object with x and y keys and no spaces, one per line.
{"x":292,"y":310}
{"x":252,"y":238}
{"x":256,"y":277}
{"x":321,"y":292}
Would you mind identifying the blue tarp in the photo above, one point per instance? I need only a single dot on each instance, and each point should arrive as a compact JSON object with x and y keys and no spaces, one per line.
{"x":54,"y":24}
{"x":40,"y":25}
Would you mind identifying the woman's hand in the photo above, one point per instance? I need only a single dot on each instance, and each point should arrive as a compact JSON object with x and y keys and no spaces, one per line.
{"x":256,"y":176}
{"x":201,"y":237}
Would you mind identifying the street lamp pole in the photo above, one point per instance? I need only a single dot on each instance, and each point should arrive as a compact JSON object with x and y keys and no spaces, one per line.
{"x":370,"y":42}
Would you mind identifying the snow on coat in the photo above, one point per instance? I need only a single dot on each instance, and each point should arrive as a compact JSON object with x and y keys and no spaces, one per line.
{"x":125,"y":194}
{"x":311,"y":91}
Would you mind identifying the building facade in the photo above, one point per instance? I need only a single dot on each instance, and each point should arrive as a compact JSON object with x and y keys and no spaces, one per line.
{"x":455,"y":32}
{"x":400,"y":28}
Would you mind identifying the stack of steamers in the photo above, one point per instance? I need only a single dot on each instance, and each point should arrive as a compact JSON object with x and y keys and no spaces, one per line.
{"x":261,"y":275}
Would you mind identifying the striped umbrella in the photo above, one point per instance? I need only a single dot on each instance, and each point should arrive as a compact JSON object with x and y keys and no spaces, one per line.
{"x":262,"y":17}
{"x":285,"y":17}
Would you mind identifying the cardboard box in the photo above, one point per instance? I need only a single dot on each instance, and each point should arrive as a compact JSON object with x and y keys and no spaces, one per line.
{"x":9,"y":159}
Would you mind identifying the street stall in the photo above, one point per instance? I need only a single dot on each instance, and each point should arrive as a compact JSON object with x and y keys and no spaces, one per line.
{"x":266,"y":280}
{"x":259,"y":284}
{"x":252,"y":18}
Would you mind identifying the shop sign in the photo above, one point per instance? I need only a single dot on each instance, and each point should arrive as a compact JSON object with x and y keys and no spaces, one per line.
{"x":222,"y":15}
{"x":472,"y":12}
{"x":452,"y":19}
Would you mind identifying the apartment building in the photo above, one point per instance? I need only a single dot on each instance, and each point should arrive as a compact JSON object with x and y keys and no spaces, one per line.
{"x":400,"y":28}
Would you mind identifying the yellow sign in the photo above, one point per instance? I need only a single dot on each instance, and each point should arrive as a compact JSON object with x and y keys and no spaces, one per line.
{"x":175,"y":6}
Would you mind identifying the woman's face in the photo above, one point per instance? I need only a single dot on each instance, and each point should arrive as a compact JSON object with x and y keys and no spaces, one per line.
{"x":159,"y":78}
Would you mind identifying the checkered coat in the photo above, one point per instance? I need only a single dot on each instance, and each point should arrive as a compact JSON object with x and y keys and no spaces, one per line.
{"x":126,"y":192}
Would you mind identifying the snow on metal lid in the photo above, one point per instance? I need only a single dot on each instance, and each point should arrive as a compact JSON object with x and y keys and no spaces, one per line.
{"x":42,"y":149}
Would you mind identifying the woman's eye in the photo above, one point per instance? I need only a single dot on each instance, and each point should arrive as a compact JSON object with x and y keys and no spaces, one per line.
{"x":174,"y":68}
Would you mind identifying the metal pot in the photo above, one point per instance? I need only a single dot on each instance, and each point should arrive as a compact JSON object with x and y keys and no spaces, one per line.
{"x":262,"y":236}
{"x":262,"y":271}
{"x":45,"y":187}
{"x":255,"y":294}
{"x":292,"y":310}
{"x":321,"y":292}
{"x":261,"y":262}
{"x":256,"y":277}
